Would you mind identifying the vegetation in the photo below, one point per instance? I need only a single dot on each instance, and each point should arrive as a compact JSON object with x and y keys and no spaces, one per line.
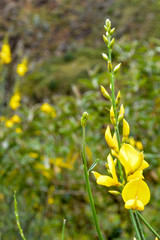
{"x":52,"y":75}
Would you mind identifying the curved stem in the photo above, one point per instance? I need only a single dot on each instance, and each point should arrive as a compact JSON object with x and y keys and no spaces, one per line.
{"x":86,"y":174}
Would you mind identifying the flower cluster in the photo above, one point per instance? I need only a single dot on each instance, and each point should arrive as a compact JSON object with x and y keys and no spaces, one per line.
{"x":130,"y":161}
{"x":15,"y":101}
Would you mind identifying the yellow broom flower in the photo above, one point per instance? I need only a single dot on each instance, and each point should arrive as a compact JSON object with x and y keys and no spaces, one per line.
{"x":111,"y":141}
{"x":131,"y":159}
{"x":136,"y":194}
{"x":106,"y":180}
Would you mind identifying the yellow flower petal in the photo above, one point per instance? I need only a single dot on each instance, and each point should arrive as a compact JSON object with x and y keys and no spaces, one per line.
{"x":137,"y":174}
{"x":96,"y":174}
{"x":112,"y":169}
{"x":110,"y":141}
{"x":130,"y":158}
{"x":136,"y":189}
{"x":134,"y":204}
{"x":106,"y":181}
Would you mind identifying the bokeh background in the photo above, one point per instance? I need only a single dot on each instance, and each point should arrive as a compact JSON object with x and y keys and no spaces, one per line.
{"x":61,"y":41}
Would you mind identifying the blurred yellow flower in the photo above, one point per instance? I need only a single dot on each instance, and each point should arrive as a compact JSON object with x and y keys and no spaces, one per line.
{"x":5,"y":54}
{"x":18,"y":130}
{"x":33,"y":155}
{"x":16,"y":119}
{"x":22,"y":68}
{"x":46,"y":108}
{"x":106,"y":180}
{"x":136,"y":194}
{"x":15,"y":101}
{"x":132,"y":141}
{"x":139,"y":145}
{"x":2,"y":118}
{"x":50,"y":200}
{"x":9,"y":123}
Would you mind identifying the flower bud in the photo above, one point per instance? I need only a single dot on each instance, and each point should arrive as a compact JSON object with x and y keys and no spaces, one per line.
{"x":109,"y":66}
{"x":105,"y":39}
{"x":126,"y":129}
{"x":115,"y":193}
{"x":112,"y":31}
{"x":84,"y":119}
{"x":112,"y":116}
{"x":105,"y":93}
{"x":121,"y":113}
{"x":105,"y":57}
{"x":108,"y":23}
{"x":118,"y":98}
{"x":116,"y":69}
{"x":112,"y":43}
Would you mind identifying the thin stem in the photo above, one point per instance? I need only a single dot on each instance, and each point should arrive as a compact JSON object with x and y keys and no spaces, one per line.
{"x":17,"y":217}
{"x":148,"y":225}
{"x":86,"y":174}
{"x":139,"y":226}
{"x":134,"y":224}
{"x":115,"y":113}
{"x":63,"y":228}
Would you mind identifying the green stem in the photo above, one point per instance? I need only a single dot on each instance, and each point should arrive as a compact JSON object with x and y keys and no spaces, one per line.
{"x":63,"y":228}
{"x":86,"y":174}
{"x":115,"y":113}
{"x":148,"y":225}
{"x":139,"y":226}
{"x":134,"y":224}
{"x":17,"y":217}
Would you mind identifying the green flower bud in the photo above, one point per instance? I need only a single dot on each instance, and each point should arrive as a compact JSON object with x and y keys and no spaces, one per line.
{"x":112,"y":31}
{"x":84,"y":119}
{"x":112,"y":43}
{"x":116,"y":69}
{"x":105,"y":39}
{"x":105,"y":57}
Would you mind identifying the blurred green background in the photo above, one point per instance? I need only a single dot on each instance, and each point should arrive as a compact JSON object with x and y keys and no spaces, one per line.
{"x":40,"y":152}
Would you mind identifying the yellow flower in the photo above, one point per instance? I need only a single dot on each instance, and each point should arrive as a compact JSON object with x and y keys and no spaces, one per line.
{"x":2,"y":118}
{"x":18,"y":130}
{"x":33,"y":155}
{"x":9,"y":123}
{"x":136,"y":194}
{"x":126,"y":129}
{"x":50,"y":200}
{"x":15,"y":101}
{"x":22,"y":68}
{"x":5,"y":54}
{"x":16,"y":119}
{"x":131,"y":159}
{"x":132,"y":141}
{"x":111,"y":141}
{"x":139,"y":145}
{"x":48,"y":109}
{"x":106,"y":180}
